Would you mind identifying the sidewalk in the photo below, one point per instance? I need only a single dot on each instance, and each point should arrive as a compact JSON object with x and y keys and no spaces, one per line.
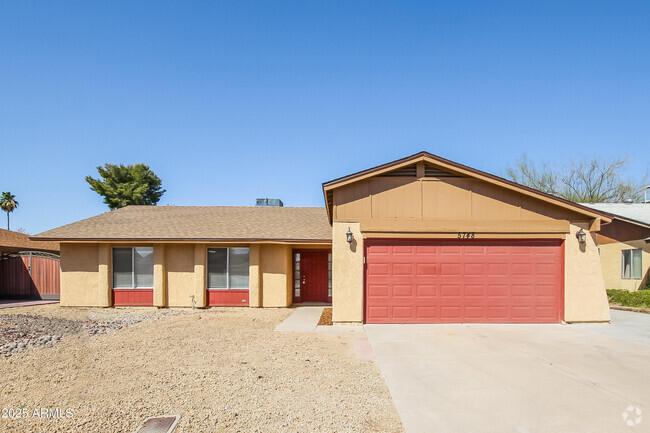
{"x":10,"y":303}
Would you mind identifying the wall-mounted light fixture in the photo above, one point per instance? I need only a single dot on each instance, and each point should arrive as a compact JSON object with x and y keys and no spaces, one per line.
{"x":349,"y":236}
{"x":582,"y":236}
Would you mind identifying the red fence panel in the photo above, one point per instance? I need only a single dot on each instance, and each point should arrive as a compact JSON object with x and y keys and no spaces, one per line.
{"x":28,"y":276}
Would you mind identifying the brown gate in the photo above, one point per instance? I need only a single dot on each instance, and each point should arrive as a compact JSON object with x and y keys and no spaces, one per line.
{"x":30,"y":275}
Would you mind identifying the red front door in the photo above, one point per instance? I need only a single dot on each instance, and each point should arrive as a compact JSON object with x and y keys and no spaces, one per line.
{"x":311,"y":276}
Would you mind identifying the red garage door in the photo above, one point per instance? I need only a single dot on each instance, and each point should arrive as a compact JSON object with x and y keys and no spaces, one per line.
{"x":469,"y":281}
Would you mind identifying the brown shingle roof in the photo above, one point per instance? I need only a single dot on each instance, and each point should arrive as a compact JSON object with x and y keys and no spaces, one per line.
{"x":14,"y":242}
{"x":210,"y":223}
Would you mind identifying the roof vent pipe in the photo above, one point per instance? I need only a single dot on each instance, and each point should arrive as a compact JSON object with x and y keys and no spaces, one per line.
{"x":628,"y":201}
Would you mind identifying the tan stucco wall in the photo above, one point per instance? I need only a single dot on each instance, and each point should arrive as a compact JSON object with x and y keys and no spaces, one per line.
{"x":254,"y":275}
{"x":275,"y":264}
{"x":347,"y":274}
{"x":82,"y":283}
{"x":180,"y":274}
{"x":585,"y":299}
{"x":200,"y":284}
{"x":159,"y":278}
{"x":610,"y":259}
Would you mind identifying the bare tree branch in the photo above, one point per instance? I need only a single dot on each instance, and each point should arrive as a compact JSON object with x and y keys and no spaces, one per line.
{"x":588,"y":181}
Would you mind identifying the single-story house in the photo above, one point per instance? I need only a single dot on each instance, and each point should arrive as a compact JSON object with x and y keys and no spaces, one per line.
{"x":625,"y":245}
{"x":417,"y":240}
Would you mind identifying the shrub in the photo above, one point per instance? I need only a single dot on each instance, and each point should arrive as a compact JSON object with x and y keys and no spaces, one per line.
{"x":640,"y":298}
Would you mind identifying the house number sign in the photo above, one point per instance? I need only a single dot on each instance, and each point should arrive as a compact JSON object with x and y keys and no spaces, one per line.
{"x":466,"y":235}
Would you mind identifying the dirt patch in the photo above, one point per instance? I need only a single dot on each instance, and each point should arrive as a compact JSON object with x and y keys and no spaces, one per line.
{"x":222,"y":370}
{"x":326,"y":317}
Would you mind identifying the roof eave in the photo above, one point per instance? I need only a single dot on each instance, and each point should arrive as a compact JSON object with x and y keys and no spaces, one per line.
{"x":194,"y":240}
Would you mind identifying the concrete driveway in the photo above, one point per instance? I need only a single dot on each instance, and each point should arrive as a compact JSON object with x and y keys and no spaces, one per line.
{"x":518,"y":378}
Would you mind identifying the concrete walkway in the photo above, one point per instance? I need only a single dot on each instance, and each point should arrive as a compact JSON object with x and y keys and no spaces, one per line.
{"x":304,"y":319}
{"x":10,"y":303}
{"x":518,"y":378}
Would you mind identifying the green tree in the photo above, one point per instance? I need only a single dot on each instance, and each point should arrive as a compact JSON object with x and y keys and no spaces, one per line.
{"x":595,"y":180}
{"x":8,"y":203}
{"x":122,"y":185}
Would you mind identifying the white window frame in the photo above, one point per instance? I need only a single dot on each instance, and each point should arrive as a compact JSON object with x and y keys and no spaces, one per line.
{"x":632,"y":252}
{"x":132,"y":270}
{"x":207,"y":269}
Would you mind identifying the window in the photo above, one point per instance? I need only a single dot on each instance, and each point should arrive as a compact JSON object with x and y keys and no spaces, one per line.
{"x":631,"y":264}
{"x":296,"y":277}
{"x":133,"y":268}
{"x":329,"y":275}
{"x":228,"y":268}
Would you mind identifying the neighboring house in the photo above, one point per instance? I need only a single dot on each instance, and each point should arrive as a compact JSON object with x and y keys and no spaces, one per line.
{"x":28,"y":269}
{"x":625,"y":245}
{"x":418,"y":240}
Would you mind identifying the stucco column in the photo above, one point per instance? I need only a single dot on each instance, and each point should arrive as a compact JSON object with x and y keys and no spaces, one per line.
{"x":104,"y":283}
{"x":159,"y":284}
{"x":585,"y":298}
{"x":254,"y":281}
{"x":276,"y":275}
{"x":200,"y":251}
{"x":347,"y":274}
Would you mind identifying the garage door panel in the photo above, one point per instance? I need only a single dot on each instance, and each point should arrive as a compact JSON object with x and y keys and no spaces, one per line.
{"x":403,"y":250}
{"x":405,"y":312}
{"x":477,"y":313}
{"x":498,"y":312}
{"x":463,"y":282}
{"x":378,"y":290}
{"x":450,"y":250}
{"x":521,"y":269}
{"x":450,"y":291}
{"x":403,"y":290}
{"x":426,"y":269}
{"x":498,"y":269}
{"x":477,"y":269}
{"x":402,"y":269}
{"x":424,"y":250}
{"x":426,"y":314}
{"x":542,"y":269}
{"x":378,"y":269}
{"x":450,"y":313}
{"x":379,"y":313}
{"x":426,"y":290}
{"x":521,"y":290}
{"x":471,"y":250}
{"x":450,"y":269}
{"x":475,"y":291}
{"x":545,"y":290}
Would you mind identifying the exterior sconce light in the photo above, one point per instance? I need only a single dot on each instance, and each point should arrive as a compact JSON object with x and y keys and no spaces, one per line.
{"x":349,"y":236}
{"x":582,"y":236}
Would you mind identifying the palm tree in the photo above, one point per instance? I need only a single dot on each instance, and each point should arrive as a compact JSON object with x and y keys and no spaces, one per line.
{"x":8,"y":203}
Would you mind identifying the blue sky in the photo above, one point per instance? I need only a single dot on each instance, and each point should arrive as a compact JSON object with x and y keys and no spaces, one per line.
{"x":230,"y":101}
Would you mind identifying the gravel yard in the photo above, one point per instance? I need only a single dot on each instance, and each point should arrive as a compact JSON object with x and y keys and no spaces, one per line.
{"x":220,"y":369}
